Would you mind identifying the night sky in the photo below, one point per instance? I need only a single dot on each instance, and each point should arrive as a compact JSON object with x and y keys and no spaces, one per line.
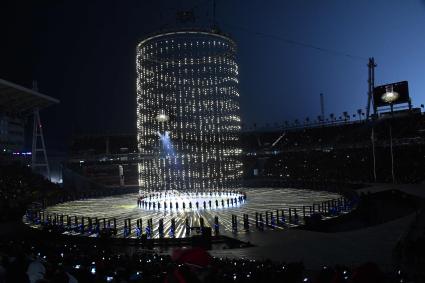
{"x":84,"y":54}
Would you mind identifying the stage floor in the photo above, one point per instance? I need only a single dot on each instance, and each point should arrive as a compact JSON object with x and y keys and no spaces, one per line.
{"x":258,"y":200}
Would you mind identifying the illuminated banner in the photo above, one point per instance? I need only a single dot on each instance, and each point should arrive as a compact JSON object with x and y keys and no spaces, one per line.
{"x":395,"y":93}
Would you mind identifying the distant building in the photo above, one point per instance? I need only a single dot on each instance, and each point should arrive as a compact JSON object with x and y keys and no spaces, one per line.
{"x":12,"y":130}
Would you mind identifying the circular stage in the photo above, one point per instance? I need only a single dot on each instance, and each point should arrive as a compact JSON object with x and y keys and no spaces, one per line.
{"x":258,"y":200}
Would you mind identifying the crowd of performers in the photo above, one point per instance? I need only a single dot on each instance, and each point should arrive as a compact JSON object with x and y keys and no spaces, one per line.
{"x":169,"y":200}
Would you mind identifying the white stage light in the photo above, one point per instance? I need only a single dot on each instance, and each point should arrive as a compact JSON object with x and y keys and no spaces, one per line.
{"x":162,"y":117}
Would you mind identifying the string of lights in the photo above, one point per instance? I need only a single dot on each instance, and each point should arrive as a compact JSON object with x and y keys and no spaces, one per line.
{"x":187,"y":91}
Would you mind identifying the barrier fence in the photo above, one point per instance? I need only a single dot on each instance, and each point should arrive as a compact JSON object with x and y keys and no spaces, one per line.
{"x":136,"y":228}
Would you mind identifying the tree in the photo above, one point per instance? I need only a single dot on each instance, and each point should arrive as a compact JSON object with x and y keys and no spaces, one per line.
{"x":359,"y":112}
{"x":345,"y":116}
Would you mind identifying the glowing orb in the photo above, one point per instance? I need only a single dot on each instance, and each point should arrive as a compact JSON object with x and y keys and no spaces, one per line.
{"x":162,"y":117}
{"x":390,"y":95}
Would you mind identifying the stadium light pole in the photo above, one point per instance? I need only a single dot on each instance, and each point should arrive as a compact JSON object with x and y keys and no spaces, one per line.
{"x":38,"y":136}
{"x":373,"y":154}
{"x":391,"y":144}
{"x":371,"y":85}
{"x":322,"y":107}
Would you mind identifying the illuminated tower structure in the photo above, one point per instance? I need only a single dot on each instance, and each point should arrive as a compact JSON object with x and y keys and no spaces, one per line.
{"x":188,"y":120}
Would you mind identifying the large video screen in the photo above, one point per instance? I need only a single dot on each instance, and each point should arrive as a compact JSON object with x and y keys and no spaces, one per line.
{"x":395,"y":93}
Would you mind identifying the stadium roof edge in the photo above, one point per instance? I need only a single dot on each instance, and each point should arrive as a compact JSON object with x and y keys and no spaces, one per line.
{"x":17,"y":99}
